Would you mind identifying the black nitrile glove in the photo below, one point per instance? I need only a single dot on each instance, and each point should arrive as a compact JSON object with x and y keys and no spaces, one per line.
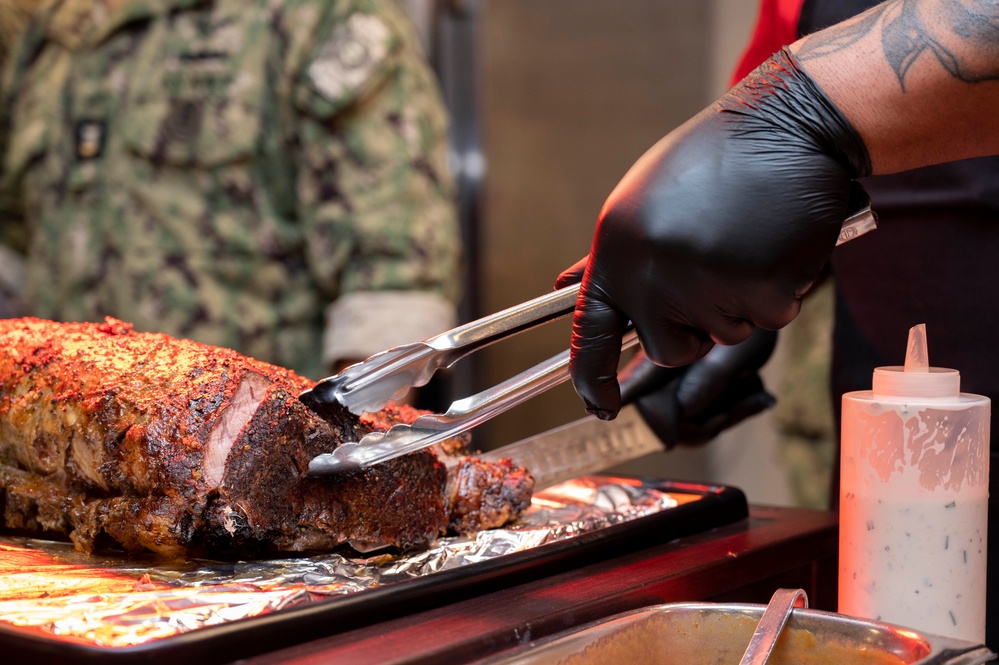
{"x":721,"y":226}
{"x":691,"y":405}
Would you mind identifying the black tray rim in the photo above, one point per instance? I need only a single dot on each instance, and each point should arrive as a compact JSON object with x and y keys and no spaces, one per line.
{"x":717,"y":505}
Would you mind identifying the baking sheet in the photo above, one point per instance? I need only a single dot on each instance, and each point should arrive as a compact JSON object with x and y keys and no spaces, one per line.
{"x":66,"y":606}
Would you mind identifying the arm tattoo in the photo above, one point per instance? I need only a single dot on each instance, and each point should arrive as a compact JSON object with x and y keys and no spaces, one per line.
{"x":962,"y":35}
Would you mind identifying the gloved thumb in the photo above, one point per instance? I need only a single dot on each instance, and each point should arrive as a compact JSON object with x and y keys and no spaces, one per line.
{"x":572,"y":274}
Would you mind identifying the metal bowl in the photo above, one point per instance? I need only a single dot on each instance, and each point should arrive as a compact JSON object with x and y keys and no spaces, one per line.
{"x":717,"y":634}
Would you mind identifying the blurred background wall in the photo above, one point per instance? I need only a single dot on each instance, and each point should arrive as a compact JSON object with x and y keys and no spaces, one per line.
{"x":569,"y":94}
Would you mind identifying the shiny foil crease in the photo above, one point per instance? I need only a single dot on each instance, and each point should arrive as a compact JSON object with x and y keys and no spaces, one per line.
{"x":49,"y":588}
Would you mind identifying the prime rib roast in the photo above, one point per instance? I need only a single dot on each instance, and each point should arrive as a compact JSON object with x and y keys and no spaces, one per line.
{"x":147,"y":442}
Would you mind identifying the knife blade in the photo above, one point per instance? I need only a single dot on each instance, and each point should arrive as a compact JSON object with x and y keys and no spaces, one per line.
{"x":585,"y":446}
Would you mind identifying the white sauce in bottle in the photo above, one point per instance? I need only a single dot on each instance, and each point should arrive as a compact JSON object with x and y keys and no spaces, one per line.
{"x":919,"y":564}
{"x":914,"y":502}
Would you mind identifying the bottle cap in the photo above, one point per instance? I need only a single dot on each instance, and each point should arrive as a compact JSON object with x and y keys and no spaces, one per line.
{"x":917,"y":378}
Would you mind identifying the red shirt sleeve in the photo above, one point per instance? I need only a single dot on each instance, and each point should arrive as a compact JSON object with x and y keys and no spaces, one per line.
{"x":776,"y":27}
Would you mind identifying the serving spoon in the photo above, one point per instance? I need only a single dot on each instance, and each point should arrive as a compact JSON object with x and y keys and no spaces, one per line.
{"x":771,"y":624}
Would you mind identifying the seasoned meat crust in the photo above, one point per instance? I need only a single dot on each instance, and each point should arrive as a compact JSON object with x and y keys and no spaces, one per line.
{"x":485,"y":495}
{"x":151,"y":442}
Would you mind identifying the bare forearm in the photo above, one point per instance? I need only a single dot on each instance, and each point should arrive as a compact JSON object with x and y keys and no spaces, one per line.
{"x":918,"y":79}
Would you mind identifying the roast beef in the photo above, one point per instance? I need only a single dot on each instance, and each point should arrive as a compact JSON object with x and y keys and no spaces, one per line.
{"x":144,"y":441}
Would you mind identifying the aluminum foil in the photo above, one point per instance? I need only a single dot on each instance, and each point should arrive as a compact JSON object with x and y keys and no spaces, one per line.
{"x":48,"y":588}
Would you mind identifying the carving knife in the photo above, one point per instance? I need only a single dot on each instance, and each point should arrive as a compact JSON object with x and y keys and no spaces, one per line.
{"x":586,"y":446}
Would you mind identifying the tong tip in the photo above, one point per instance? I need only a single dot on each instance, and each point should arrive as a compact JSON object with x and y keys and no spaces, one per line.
{"x":370,"y":450}
{"x":369,"y":385}
{"x":329,"y":464}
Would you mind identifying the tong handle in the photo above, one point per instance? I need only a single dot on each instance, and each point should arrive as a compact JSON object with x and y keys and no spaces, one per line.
{"x":468,"y":412}
{"x":370,"y":384}
{"x":474,"y":410}
{"x":462,"y":415}
{"x":482,"y":332}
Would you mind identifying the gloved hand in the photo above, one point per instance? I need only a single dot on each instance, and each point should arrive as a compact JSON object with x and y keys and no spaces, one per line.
{"x":691,"y":405}
{"x":722,"y":225}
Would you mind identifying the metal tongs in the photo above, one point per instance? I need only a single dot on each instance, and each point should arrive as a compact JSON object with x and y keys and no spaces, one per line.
{"x":370,"y":384}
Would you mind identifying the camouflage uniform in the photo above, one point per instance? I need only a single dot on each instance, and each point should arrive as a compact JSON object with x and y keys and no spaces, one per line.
{"x":805,"y":421}
{"x":228,"y":170}
{"x":13,"y":17}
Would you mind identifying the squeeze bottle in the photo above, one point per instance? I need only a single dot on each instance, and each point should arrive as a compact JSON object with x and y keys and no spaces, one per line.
{"x":914,"y":499}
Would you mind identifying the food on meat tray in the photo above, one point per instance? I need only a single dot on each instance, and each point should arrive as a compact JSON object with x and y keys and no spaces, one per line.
{"x":146,"y":441}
